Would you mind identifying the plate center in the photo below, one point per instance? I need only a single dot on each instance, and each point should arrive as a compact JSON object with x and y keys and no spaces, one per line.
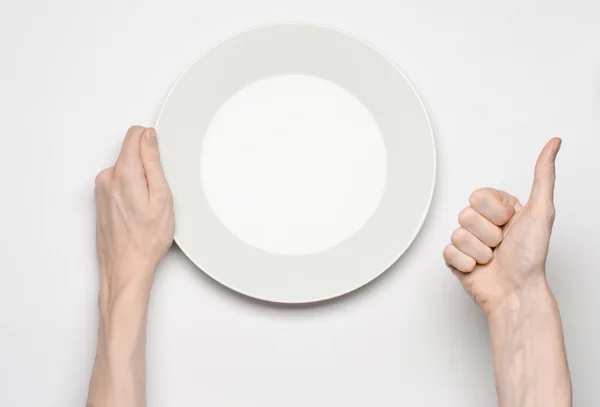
{"x":293,"y":164}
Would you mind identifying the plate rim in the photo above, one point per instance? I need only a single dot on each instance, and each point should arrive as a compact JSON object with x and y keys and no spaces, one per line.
{"x":317,"y":300}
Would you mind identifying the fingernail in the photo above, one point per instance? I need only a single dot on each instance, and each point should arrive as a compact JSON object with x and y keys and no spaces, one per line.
{"x":150,"y":138}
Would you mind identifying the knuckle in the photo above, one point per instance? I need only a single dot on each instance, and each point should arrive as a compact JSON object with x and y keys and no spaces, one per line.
{"x":99,"y":181}
{"x":103,"y":178}
{"x":447,"y":252}
{"x":487,"y":256}
{"x":465,"y":215}
{"x":496,"y":237}
{"x":119,"y":172}
{"x":470,"y":265}
{"x":478,"y":196}
{"x":122,"y":171}
{"x":458,"y":236}
{"x":545,"y":211}
{"x":162,"y":195}
{"x":550,"y":213}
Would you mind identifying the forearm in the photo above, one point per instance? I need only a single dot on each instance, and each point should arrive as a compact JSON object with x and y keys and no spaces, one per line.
{"x":119,"y":374}
{"x":529,"y":352}
{"x":134,"y":230}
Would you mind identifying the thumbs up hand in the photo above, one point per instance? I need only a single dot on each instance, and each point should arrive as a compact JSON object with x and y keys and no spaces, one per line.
{"x":499,"y":251}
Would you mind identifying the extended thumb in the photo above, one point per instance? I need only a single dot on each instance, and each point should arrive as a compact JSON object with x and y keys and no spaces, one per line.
{"x":542,"y":192}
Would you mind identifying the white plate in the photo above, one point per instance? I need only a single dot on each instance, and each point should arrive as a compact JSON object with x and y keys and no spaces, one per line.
{"x":314,"y":51}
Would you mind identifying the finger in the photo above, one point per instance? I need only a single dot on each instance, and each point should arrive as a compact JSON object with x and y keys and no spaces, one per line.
{"x":480,"y":227}
{"x":464,"y":241}
{"x":129,"y":158}
{"x":457,"y":259}
{"x":542,"y":191}
{"x":496,"y":206}
{"x":151,"y":162}
{"x":104,"y":178}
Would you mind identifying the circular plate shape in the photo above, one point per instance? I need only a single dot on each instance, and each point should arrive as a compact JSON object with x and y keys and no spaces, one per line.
{"x":326,"y":54}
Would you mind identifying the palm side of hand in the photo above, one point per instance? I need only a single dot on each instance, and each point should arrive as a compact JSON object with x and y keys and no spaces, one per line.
{"x":519,"y":259}
{"x":502,"y":246}
{"x":524,"y":247}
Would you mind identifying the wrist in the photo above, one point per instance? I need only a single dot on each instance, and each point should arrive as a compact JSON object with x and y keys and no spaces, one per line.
{"x":531,"y":297}
{"x":127,"y":265}
{"x":125,"y":297}
{"x":123,"y":285}
{"x":123,"y":320}
{"x":528,"y":347}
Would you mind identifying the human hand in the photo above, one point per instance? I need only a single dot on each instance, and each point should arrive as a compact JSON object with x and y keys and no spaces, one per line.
{"x":135,"y":221}
{"x":134,"y":231}
{"x":499,"y":252}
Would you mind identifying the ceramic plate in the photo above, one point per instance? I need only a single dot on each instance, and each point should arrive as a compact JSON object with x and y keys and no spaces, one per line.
{"x":311,"y":51}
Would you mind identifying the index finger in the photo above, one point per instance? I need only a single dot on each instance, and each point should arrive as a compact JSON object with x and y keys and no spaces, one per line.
{"x":130,"y":151}
{"x":496,"y":206}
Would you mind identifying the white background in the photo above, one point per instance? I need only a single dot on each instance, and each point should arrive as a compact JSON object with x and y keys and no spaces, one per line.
{"x":499,"y":78}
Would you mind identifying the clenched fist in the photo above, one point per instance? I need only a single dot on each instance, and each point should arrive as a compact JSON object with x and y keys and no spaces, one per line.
{"x":135,"y":212}
{"x":499,"y":251}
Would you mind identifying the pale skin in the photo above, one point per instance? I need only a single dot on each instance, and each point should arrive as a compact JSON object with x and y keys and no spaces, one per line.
{"x":498,"y":254}
{"x":135,"y":228}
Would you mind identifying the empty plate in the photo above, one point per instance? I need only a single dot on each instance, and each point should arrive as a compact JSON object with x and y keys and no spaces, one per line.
{"x":301,"y":161}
